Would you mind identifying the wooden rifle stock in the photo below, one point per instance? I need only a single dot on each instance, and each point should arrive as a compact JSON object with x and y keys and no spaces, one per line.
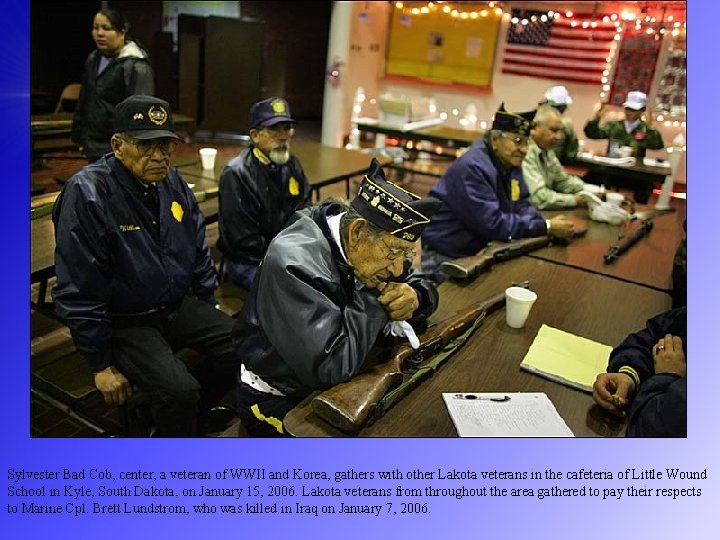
{"x":467,"y":267}
{"x":628,"y":241}
{"x":348,"y":405}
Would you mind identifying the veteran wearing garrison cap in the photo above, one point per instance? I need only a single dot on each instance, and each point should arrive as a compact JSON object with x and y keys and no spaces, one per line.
{"x":485,"y":198}
{"x":331,"y":282}
{"x":259,"y":190}
{"x":135,"y":281}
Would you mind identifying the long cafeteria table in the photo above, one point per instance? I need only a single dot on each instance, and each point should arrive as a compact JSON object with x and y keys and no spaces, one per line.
{"x":649,"y":262}
{"x":323,"y":165}
{"x":586,"y":304}
{"x":640,"y":177}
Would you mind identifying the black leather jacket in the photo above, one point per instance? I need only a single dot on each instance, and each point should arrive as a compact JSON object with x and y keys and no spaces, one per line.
{"x":305,"y":325}
{"x":129,"y":73}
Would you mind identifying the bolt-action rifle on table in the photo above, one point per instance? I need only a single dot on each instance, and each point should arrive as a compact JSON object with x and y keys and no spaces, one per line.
{"x":350,"y":405}
{"x":467,"y":267}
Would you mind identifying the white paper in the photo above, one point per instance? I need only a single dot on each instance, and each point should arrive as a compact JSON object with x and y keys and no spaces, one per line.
{"x":473,"y":46}
{"x":522,"y":415}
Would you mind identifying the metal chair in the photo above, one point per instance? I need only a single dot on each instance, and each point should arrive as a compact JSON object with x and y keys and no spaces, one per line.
{"x":71,"y":92}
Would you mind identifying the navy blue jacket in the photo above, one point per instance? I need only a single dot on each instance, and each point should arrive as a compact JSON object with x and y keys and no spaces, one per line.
{"x":111,"y":256}
{"x":482,"y":201}
{"x":257,"y":197}
{"x":659,"y":408}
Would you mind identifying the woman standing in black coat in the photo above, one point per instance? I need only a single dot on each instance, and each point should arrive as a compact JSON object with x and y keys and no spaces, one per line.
{"x":118,"y":68}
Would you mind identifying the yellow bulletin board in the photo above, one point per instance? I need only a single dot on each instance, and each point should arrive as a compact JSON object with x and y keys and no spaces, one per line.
{"x":437,"y":47}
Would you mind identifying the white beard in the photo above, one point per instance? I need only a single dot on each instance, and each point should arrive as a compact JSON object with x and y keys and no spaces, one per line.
{"x":280,"y":157}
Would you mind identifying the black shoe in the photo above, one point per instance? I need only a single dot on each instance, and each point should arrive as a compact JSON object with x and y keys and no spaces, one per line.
{"x":216,"y":419}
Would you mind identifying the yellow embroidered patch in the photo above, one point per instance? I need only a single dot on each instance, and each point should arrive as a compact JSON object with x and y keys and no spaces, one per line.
{"x":274,"y":422}
{"x":128,"y":228}
{"x":177,"y":211}
{"x":293,"y":186}
{"x":514,"y":190}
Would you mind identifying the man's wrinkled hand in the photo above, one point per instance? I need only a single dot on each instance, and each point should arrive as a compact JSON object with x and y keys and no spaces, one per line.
{"x":561,"y":227}
{"x":400,"y":300}
{"x":113,"y":385}
{"x":669,"y":356}
{"x":612,"y":391}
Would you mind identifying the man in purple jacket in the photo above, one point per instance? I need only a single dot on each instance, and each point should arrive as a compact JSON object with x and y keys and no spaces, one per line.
{"x":485,"y":197}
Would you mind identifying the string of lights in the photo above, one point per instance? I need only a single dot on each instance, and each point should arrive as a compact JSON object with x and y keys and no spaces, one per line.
{"x":651,"y":18}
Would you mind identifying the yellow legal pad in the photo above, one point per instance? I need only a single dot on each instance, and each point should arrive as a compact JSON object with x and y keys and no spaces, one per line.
{"x":566,"y":358}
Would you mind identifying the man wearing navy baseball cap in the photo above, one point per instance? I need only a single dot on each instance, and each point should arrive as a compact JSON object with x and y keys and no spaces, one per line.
{"x":259,"y":190}
{"x":135,"y":281}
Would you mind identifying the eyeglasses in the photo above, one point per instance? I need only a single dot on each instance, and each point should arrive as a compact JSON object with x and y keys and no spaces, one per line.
{"x":518,"y":140}
{"x":394,"y":253}
{"x":280,"y":130}
{"x":148,"y":147}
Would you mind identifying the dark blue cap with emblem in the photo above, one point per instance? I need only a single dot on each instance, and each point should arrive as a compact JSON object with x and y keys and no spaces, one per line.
{"x":269,"y":112}
{"x":144,"y":117}
{"x":388,"y":206}
{"x":519,"y":123}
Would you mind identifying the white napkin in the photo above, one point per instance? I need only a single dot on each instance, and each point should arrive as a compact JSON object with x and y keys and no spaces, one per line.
{"x":604,"y":211}
{"x":609,"y":213}
{"x":618,"y":162}
{"x":402,"y":329}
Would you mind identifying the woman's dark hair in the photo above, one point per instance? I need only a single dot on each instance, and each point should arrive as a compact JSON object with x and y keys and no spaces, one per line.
{"x":117,"y":19}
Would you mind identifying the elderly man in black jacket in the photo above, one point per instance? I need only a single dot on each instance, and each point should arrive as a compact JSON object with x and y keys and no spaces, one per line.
{"x":259,"y":190}
{"x":135,"y":281}
{"x":331,"y":283}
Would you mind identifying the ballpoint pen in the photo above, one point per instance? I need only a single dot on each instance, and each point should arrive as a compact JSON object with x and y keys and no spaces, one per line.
{"x":497,"y":399}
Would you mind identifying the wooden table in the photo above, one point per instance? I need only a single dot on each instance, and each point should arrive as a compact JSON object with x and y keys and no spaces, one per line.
{"x":649,"y":262}
{"x":641,"y":178}
{"x":323,"y":166}
{"x":589,"y":305}
{"x":442,"y":135}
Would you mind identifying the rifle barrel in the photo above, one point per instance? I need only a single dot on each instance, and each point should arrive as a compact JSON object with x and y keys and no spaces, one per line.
{"x":626,"y":243}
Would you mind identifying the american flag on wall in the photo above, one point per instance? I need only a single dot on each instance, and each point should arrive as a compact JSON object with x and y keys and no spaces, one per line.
{"x":556,"y":49}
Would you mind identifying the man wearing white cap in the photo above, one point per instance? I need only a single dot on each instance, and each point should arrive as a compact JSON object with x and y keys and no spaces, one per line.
{"x":633,"y":131}
{"x":566,"y":148}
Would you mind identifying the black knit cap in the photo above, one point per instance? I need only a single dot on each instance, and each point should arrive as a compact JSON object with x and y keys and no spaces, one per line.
{"x":144,"y":117}
{"x":388,"y":206}
{"x":519,"y":123}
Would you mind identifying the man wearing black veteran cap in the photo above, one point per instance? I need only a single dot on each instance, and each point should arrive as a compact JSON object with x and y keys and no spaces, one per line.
{"x":485,"y":198}
{"x":331,"y":283}
{"x":135,"y":280}
{"x":259,"y":190}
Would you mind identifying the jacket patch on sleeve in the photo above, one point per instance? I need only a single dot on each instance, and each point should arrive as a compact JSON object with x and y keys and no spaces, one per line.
{"x":293,"y":186}
{"x":128,"y":228}
{"x":514,"y":190}
{"x":177,"y":211}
